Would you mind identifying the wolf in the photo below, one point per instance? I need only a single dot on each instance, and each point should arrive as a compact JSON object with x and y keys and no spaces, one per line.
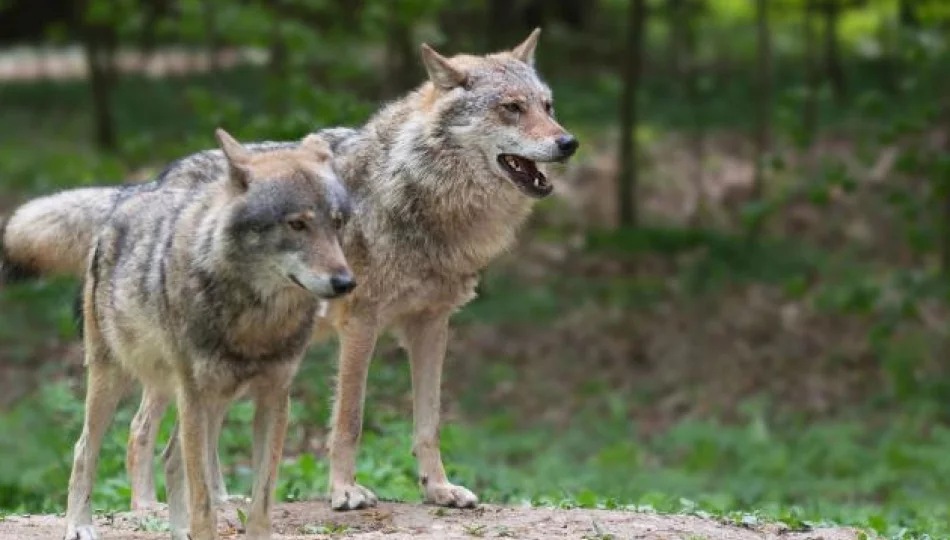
{"x":208,"y":294}
{"x":441,"y":180}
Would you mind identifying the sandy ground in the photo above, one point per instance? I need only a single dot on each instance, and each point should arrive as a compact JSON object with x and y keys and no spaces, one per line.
{"x":314,"y":520}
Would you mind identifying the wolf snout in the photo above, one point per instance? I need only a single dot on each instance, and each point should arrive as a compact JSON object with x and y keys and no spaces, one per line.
{"x":342,"y":283}
{"x":326,"y":285}
{"x":566,"y":144}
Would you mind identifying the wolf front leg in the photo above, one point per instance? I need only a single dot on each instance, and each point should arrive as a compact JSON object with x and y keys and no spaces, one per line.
{"x":425,"y":336}
{"x":105,"y":387}
{"x":193,"y":412}
{"x":141,"y":448}
{"x":357,"y":341}
{"x":270,"y":428}
{"x":175,"y":486}
{"x":175,"y":492}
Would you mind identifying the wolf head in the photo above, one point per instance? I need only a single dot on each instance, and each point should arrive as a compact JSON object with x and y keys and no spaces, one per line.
{"x":498,"y":110}
{"x":284,"y":227}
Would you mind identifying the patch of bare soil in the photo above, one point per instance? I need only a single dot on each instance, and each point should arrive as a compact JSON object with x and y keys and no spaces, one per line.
{"x":314,"y":520}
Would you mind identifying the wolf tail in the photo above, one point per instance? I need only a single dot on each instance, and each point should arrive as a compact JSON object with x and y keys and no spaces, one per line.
{"x":53,"y":234}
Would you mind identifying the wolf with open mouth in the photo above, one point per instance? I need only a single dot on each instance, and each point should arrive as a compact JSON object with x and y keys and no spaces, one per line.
{"x":443,"y":179}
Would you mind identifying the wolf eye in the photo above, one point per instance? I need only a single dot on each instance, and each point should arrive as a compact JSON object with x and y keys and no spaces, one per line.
{"x":297,"y":224}
{"x":549,"y":108}
{"x":513,"y":107}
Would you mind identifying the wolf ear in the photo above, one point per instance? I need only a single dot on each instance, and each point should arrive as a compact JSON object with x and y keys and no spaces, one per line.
{"x":525,"y":51}
{"x":441,"y":72}
{"x":316,"y":147}
{"x":237,"y":157}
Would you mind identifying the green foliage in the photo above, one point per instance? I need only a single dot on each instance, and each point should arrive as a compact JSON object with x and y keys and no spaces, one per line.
{"x":888,"y":479}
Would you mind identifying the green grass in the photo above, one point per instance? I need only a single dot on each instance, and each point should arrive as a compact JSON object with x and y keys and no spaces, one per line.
{"x":889,"y":478}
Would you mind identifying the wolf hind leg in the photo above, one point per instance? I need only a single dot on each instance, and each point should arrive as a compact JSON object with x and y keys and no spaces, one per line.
{"x":106,"y":384}
{"x":141,"y":448}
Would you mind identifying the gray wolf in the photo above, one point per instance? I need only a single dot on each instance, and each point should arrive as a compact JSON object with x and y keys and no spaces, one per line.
{"x":441,"y":180}
{"x":207,"y":295}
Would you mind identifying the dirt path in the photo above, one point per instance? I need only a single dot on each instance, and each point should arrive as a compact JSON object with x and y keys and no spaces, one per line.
{"x":314,"y":520}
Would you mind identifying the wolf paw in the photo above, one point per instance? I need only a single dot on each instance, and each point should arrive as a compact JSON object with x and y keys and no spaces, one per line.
{"x":450,"y":495}
{"x":81,"y":532}
{"x":351,"y":497}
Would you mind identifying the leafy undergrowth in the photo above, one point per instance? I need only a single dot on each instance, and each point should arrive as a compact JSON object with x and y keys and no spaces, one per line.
{"x":889,"y":477}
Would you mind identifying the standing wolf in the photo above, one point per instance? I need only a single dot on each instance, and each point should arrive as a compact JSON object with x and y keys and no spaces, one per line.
{"x":206,"y":294}
{"x":442,"y":180}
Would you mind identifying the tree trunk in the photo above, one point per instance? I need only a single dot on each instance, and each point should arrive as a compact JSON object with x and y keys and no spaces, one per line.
{"x":99,"y":44}
{"x":908,"y":15}
{"x":677,"y":20}
{"x":277,"y":66}
{"x":400,"y":55}
{"x":945,"y":180}
{"x":149,"y":29}
{"x":763,"y":108}
{"x":277,"y":55}
{"x":889,"y":61}
{"x":810,"y":109}
{"x":213,"y":33}
{"x":687,"y":16}
{"x":835,"y":70}
{"x":632,"y":60}
{"x":498,"y":17}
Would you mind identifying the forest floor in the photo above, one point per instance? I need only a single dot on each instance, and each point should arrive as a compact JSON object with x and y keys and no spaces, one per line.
{"x":394,"y":521}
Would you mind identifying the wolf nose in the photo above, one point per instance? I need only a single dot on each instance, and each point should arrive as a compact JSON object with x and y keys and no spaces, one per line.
{"x":567,"y":144}
{"x":342,"y":283}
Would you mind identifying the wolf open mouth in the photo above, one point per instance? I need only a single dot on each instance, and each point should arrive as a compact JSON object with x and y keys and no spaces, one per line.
{"x":525,"y":175}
